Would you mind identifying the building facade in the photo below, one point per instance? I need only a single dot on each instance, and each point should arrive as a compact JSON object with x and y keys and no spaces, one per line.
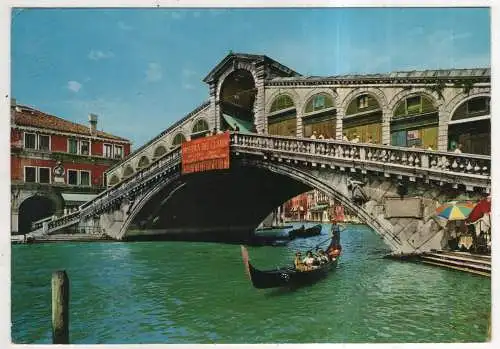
{"x":436,"y":109}
{"x":56,"y":164}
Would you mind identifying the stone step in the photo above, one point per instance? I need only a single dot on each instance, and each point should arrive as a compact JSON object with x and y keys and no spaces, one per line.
{"x":459,"y":258}
{"x":467,"y":254}
{"x":457,"y":263}
{"x":473,"y":271}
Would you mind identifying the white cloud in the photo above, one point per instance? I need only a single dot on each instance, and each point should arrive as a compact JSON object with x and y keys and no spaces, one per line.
{"x":124,"y":26}
{"x":154,"y":72}
{"x":96,"y":55}
{"x":74,"y":86}
{"x":187,"y":86}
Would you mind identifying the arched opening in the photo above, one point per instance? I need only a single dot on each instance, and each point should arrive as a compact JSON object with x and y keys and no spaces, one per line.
{"x":33,"y":209}
{"x":237,"y":99}
{"x":320,"y":116}
{"x":363,"y":119}
{"x":282,"y":118}
{"x":128,"y":171}
{"x":470,"y":126}
{"x":159,"y":151}
{"x":415,"y":123}
{"x":143,"y":162}
{"x":113,"y":180}
{"x":200,"y":129}
{"x":178,"y":140}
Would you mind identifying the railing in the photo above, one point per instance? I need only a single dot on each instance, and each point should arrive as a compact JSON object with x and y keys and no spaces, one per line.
{"x":398,"y":160}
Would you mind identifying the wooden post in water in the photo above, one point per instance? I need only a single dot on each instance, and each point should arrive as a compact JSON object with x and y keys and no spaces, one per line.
{"x":60,"y":308}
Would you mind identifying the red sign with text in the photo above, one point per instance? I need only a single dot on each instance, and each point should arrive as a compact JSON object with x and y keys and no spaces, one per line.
{"x":206,"y":154}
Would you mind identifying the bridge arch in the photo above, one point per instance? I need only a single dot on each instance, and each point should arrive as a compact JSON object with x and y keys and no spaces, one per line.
{"x":337,"y":188}
{"x":159,"y":151}
{"x":319,"y":114}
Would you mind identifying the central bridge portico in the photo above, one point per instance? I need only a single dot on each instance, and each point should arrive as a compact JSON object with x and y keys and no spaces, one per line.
{"x":400,"y":188}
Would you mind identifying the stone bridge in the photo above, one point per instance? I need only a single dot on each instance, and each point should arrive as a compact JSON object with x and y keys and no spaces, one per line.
{"x":395,"y":190}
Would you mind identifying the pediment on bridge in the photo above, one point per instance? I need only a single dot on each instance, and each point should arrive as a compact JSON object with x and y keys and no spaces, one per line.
{"x":272,"y":68}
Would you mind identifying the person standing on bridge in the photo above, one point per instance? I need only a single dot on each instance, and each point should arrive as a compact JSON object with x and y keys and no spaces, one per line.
{"x":458,"y":149}
{"x":313,"y":136}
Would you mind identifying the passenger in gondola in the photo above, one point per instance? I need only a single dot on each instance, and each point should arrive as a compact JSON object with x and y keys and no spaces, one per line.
{"x":309,"y":261}
{"x":322,"y":257}
{"x":298,"y":262}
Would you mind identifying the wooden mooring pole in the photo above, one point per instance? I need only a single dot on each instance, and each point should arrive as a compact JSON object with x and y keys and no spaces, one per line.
{"x":60,"y":308}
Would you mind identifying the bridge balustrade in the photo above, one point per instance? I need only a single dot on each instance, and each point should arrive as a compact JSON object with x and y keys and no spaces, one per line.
{"x":398,"y":160}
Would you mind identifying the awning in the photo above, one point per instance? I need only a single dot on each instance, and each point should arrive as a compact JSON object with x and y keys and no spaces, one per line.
{"x":244,"y":125}
{"x":319,"y":208}
{"x":77,"y":198}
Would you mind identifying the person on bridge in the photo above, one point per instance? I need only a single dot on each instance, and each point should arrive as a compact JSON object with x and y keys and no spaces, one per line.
{"x":458,"y":149}
{"x":355,"y":139}
{"x":313,"y":136}
{"x":345,"y":138}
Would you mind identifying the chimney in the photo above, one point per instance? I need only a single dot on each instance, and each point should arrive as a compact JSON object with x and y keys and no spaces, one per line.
{"x":93,"y":124}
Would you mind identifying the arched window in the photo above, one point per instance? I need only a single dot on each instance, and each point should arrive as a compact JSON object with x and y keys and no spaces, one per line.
{"x":414,"y":105}
{"x":363,"y":120}
{"x":178,"y":139}
{"x":143,"y":162}
{"x":114,"y":179}
{"x":159,"y":151}
{"x":128,"y":171}
{"x":319,"y":102}
{"x":415,"y":123}
{"x":470,"y":126}
{"x":200,"y":126}
{"x":281,"y":102}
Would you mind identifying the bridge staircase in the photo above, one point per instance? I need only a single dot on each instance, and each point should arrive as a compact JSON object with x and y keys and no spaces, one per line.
{"x":462,"y":261}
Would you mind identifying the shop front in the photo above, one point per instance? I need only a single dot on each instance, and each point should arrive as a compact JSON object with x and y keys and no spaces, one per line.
{"x":363,"y":120}
{"x":282,"y":118}
{"x":415,"y":124}
{"x":320,"y":117}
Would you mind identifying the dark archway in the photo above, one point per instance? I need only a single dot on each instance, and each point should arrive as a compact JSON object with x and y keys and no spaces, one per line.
{"x":237,"y":99}
{"x":34,"y":209}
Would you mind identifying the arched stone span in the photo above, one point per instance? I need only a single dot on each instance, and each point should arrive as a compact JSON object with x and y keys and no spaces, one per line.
{"x":128,"y":171}
{"x":143,"y":162}
{"x":159,"y":151}
{"x":177,"y":140}
{"x":113,"y":180}
{"x":222,"y":208}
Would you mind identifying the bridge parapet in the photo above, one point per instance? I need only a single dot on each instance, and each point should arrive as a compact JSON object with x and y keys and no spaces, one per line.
{"x":472,"y":171}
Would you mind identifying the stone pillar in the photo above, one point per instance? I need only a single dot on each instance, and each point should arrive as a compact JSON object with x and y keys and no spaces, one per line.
{"x":299,"y":122}
{"x":339,"y":128}
{"x":214,"y":105}
{"x":442,"y":141}
{"x":14,"y":221}
{"x":386,"y":126}
{"x":259,"y":107}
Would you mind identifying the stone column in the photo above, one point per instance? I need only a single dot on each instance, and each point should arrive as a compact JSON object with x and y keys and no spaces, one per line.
{"x":214,"y":108}
{"x":442,"y":141}
{"x":299,"y":121}
{"x":339,"y":128}
{"x":386,"y":126}
{"x":259,"y":107}
{"x":14,"y":220}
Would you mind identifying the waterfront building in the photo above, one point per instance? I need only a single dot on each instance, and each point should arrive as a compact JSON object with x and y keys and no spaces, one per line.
{"x":56,"y":164}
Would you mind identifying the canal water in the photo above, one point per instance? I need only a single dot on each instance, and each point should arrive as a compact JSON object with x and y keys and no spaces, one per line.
{"x":179,"y":292}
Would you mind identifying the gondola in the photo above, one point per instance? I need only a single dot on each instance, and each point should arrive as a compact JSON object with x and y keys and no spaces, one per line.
{"x":303,"y":232}
{"x":289,"y":276}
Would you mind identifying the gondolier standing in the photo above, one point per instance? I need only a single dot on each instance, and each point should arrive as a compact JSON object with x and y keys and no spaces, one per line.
{"x":334,"y":252}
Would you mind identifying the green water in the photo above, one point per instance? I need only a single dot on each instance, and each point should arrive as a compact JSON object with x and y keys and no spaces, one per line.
{"x":177,"y":292}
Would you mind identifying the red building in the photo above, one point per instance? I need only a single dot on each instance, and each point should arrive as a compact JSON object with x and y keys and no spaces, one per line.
{"x":56,"y":164}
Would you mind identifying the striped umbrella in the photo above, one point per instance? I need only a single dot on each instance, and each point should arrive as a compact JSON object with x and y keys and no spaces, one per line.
{"x":454,"y":210}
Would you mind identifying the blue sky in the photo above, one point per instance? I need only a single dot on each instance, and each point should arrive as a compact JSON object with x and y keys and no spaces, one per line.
{"x":142,"y":69}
